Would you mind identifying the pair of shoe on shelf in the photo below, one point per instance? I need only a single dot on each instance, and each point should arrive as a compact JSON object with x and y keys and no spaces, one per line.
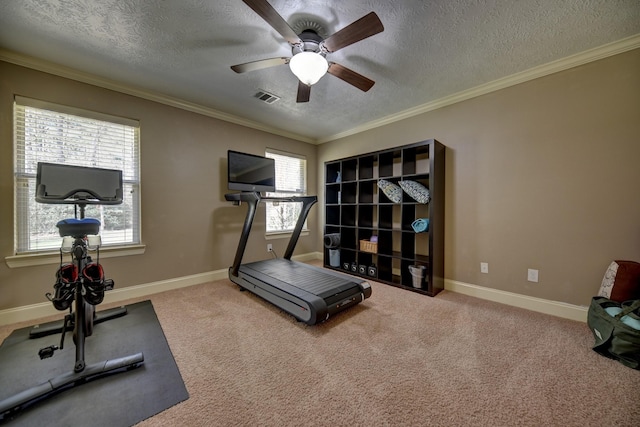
{"x":66,"y":278}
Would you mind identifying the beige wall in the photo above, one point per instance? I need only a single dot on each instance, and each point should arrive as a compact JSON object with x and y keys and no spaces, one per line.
{"x":542,"y":175}
{"x":187,"y":226}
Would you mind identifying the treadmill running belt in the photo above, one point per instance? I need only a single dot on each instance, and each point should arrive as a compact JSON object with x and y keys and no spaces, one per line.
{"x":302,"y":276}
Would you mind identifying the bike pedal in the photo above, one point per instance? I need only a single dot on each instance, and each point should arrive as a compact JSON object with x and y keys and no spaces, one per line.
{"x":47,"y":352}
{"x":109,"y":284}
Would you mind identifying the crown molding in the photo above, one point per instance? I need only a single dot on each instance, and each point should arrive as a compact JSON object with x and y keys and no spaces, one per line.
{"x":591,"y":55}
{"x":572,"y":61}
{"x":62,"y":71}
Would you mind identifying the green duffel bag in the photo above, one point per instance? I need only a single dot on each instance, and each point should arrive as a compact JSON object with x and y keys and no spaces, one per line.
{"x":615,"y":329}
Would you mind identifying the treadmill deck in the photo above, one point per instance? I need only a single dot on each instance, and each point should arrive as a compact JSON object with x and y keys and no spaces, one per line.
{"x":309,"y":293}
{"x":302,"y":276}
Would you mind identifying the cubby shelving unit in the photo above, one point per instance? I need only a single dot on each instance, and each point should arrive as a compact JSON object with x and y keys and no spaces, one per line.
{"x":357,"y":209}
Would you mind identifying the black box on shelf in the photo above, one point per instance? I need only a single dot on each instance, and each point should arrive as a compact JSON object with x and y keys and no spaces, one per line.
{"x":372,"y":271}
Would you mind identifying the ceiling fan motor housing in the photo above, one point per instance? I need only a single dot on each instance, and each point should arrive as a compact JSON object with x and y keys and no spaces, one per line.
{"x":311,"y":42}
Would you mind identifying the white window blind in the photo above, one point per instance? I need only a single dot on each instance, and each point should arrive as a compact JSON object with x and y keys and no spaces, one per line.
{"x":51,"y":133}
{"x":291,"y":180}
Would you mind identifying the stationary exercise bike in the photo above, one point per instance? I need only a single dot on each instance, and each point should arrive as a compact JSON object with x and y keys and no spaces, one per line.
{"x":80,"y":283}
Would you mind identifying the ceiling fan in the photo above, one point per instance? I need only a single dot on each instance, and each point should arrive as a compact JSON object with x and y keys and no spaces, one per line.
{"x":308,"y":50}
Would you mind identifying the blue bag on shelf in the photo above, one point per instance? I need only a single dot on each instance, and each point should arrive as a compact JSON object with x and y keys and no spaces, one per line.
{"x":420,"y":225}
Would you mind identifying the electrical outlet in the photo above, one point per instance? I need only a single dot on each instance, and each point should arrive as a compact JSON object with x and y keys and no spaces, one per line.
{"x":532,"y":275}
{"x":269,"y":247}
{"x":484,"y":267}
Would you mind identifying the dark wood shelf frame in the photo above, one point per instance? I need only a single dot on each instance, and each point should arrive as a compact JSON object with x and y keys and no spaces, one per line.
{"x":357,"y":209}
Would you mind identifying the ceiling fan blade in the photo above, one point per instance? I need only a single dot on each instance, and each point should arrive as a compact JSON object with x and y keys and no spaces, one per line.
{"x":304,"y":92}
{"x":260,"y":64}
{"x":364,"y":27}
{"x":350,"y":76}
{"x":273,"y":18}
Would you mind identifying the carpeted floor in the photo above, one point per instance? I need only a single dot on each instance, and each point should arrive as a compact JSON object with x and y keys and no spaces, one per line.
{"x":118,"y":399}
{"x":397,"y":359}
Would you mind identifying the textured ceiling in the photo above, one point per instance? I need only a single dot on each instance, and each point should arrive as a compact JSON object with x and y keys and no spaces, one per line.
{"x":429,"y":49}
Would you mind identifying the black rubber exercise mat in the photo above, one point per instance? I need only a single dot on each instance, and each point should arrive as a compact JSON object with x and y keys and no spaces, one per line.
{"x":117,"y":399}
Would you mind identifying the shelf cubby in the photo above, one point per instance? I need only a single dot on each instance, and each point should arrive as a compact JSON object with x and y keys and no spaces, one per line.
{"x":408,"y":216}
{"x":332,"y":194}
{"x":348,"y":193}
{"x":385,"y":242}
{"x":332,"y":172}
{"x":408,"y":245}
{"x":348,"y":215}
{"x":366,"y":190}
{"x":385,"y":217}
{"x":365,"y":167}
{"x":365,"y":216}
{"x":348,"y":238}
{"x":332,"y":216}
{"x":349,"y":170}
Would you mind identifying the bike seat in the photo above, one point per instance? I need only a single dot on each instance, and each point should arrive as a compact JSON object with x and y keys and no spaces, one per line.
{"x":78,"y":227}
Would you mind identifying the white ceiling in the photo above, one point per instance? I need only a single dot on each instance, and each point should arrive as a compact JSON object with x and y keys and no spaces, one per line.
{"x":429,"y":50}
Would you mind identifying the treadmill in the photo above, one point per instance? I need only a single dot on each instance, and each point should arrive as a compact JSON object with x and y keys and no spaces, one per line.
{"x":311,"y":294}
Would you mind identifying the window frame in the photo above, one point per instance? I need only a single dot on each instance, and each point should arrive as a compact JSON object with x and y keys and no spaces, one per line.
{"x":23,"y":254}
{"x":284,"y":193}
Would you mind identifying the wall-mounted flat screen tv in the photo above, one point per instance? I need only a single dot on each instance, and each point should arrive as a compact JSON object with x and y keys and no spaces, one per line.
{"x":248,"y":172}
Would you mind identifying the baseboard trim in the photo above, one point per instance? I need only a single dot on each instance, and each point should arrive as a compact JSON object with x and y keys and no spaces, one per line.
{"x":44,"y":309}
{"x":311,"y":256}
{"x":36,"y":311}
{"x":554,"y":308}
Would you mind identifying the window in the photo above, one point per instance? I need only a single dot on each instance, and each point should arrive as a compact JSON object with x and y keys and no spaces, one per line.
{"x":46,"y":132}
{"x":291,"y":180}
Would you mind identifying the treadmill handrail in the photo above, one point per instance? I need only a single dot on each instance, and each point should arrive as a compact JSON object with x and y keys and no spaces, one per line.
{"x":248,"y":196}
{"x":252,"y":199}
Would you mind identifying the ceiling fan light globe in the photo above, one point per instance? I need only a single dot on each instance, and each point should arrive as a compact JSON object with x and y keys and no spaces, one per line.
{"x":308,"y":67}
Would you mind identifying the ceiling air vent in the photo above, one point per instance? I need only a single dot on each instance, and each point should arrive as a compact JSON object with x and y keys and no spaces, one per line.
{"x":267,"y":97}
